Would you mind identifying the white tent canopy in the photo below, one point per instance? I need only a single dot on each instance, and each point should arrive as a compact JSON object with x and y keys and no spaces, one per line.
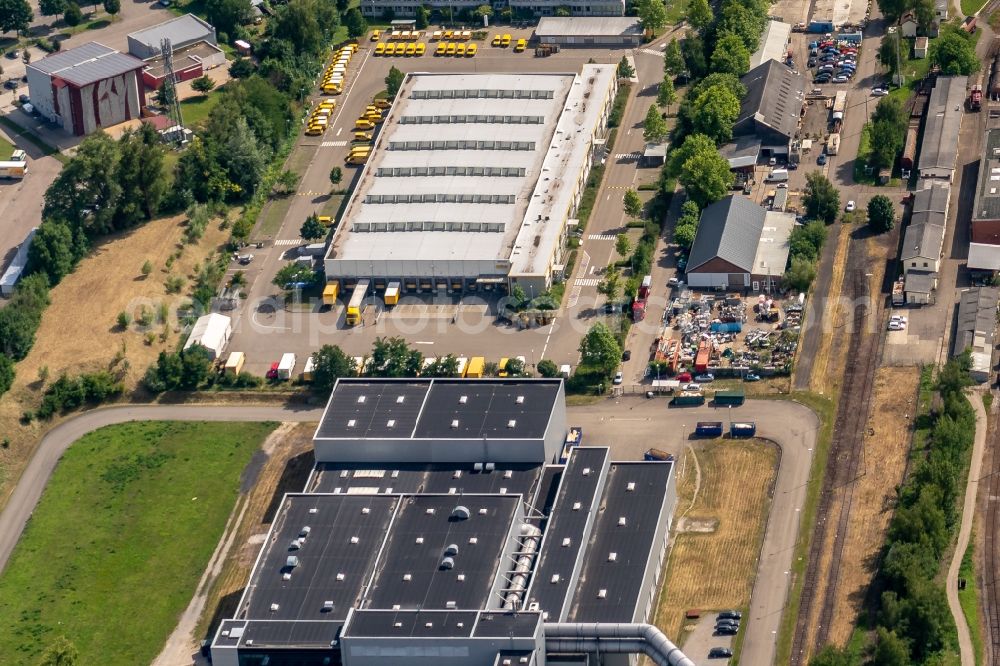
{"x":211,"y":331}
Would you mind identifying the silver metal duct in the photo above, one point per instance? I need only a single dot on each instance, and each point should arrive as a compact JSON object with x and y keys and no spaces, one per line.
{"x":531,"y":536}
{"x":614,"y":637}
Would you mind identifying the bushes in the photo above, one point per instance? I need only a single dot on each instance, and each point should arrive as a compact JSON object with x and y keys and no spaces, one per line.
{"x":68,"y":393}
{"x":618,"y":106}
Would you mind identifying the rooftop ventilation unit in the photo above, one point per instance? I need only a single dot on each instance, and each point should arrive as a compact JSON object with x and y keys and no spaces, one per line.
{"x":483,"y":511}
{"x":398,"y":625}
{"x":457,"y":474}
{"x":391,"y":423}
{"x":451,"y":605}
{"x":473,"y":540}
{"x":508,"y":473}
{"x":451,"y":549}
{"x":430,"y":512}
{"x":365,"y":510}
{"x":454,"y":424}
{"x":292,"y":561}
{"x":354,"y":539}
{"x":631,"y":486}
{"x":554,"y":579}
{"x":489,"y":467}
{"x":586,"y":471}
{"x":351,"y":423}
{"x":612,"y":556}
{"x":274,"y":607}
{"x":313,"y":510}
{"x":460,"y":513}
{"x":400,"y":399}
{"x":396,"y":607}
{"x":448,"y":563}
{"x":340,"y":577}
{"x":327,"y":606}
{"x":519,"y":400}
{"x":463,"y":399}
{"x":304,"y":532}
{"x":420,"y":540}
{"x":602,"y":593}
{"x":286,"y":576}
{"x":512,"y":423}
{"x":566,"y":542}
{"x":407,"y":577}
{"x":361,"y":399}
{"x":478,"y":467}
{"x":428,"y":624}
{"x":461,"y":578}
{"x":621,"y":521}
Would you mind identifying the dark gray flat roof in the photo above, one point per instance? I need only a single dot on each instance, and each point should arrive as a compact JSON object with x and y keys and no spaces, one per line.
{"x":515,"y":657}
{"x":499,"y":624}
{"x":939,"y":146}
{"x":986,"y":205}
{"x":933,"y":197}
{"x":410,"y":623}
{"x":415,"y":546}
{"x":774,"y":97}
{"x":326,"y":555}
{"x":632,"y":543}
{"x":510,"y":479}
{"x":729,"y":229}
{"x":300,"y":633}
{"x":977,"y":312}
{"x":569,"y":517}
{"x":430,"y":408}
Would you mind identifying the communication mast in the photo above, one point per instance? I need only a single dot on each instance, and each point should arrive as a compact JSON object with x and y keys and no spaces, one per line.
{"x":170,"y":79}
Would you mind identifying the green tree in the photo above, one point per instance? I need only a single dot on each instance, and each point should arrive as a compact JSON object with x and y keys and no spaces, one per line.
{"x":548,"y":368}
{"x":666,"y":95}
{"x":632,"y":203}
{"x":311,"y":229}
{"x":625,"y":69}
{"x":124,"y":319}
{"x":652,"y":14}
{"x":924,"y":12}
{"x":51,"y":7}
{"x":741,"y":20}
{"x":196,"y":362}
{"x":693,"y":48}
{"x":423,"y":17}
{"x":517,"y":296}
{"x":244,"y":157}
{"x":293,"y":273}
{"x":165,"y":94}
{"x":800,"y":274}
{"x":730,"y":56}
{"x":954,"y":51}
{"x":6,"y":373}
{"x":673,"y":59}
{"x":893,"y":9}
{"x":297,"y":23}
{"x":600,"y":349}
{"x":610,"y":287}
{"x":393,"y":80}
{"x":53,"y":252}
{"x":336,"y":175}
{"x":112,"y":7}
{"x":86,"y":192}
{"x":141,"y":176}
{"x":15,"y":15}
{"x":716,"y":109}
{"x":482,"y":10}
{"x":821,"y":198}
{"x":699,"y":14}
{"x":241,"y":68}
{"x":622,"y":245}
{"x":654,"y":127}
{"x":199,"y":173}
{"x":886,"y":142}
{"x":889,"y":50}
{"x":807,"y":240}
{"x":684,"y":235}
{"x":890,"y":650}
{"x":705,"y":174}
{"x":227,"y":15}
{"x":831,"y":655}
{"x":515,"y":368}
{"x":890,"y":110}
{"x":286,"y":182}
{"x":392,"y":357}
{"x":61,"y":652}
{"x":147,"y":268}
{"x":330,"y":363}
{"x":445,"y":366}
{"x":203,"y":84}
{"x":355,"y":22}
{"x":881,"y":214}
{"x":72,"y":16}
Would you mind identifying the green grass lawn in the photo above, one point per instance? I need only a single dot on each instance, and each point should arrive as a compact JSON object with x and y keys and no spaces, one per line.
{"x":115,"y":548}
{"x":196,"y":109}
{"x":969,"y":599}
{"x":970,"y":7}
{"x":6,"y":149}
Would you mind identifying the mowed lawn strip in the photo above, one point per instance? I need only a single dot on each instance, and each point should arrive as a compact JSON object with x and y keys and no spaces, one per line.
{"x":114,"y":551}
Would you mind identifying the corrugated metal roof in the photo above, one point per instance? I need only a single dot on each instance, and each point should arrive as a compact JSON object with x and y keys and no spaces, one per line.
{"x":774,"y":97}
{"x":86,"y":64}
{"x":773,"y":43}
{"x":922,"y":241}
{"x":181,"y":31}
{"x":933,"y":198}
{"x":587,"y":26}
{"x":729,"y":229}
{"x":944,"y":119}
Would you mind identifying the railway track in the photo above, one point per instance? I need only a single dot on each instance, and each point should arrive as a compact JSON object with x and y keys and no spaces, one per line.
{"x":846,"y":453}
{"x":991,"y":566}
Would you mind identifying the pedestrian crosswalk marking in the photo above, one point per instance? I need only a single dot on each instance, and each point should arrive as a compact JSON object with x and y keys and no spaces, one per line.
{"x":333,"y":144}
{"x":586,"y":282}
{"x":280,"y":243}
{"x":652,"y":52}
{"x":622,"y":157}
{"x":602,"y":237}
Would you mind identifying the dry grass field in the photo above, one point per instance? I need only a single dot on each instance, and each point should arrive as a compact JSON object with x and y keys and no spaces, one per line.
{"x":79,"y":330}
{"x":826,"y":377}
{"x":713,"y":570}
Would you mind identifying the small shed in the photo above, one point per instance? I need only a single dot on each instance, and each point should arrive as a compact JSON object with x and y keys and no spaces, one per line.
{"x":654,"y":155}
{"x":920,"y":47}
{"x":918,"y":286}
{"x":908,"y":25}
{"x":212,"y":332}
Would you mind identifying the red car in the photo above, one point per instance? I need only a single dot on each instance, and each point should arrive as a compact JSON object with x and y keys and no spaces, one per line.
{"x":684,"y":377}
{"x":273,"y":372}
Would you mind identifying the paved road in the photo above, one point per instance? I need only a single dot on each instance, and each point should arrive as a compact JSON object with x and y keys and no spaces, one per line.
{"x":632,"y":424}
{"x":965,"y":530}
{"x":29,"y":488}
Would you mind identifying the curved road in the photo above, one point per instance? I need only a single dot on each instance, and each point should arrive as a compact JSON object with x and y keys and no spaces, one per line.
{"x":793,"y":426}
{"x":29,"y":487}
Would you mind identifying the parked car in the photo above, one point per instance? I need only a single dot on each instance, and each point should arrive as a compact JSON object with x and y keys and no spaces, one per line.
{"x":627,"y":355}
{"x":792,"y":166}
{"x":896,"y":326}
{"x":691,"y":387}
{"x":273,"y":372}
{"x":705,"y":378}
{"x":751,"y":377}
{"x":841,"y":79}
{"x":729,"y":615}
{"x":821,"y":159}
{"x":823,"y":78}
{"x":825,"y":68}
{"x":23,"y":99}
{"x":684,"y":378}
{"x":879,"y":92}
{"x":245,"y":259}
{"x":10,"y":84}
{"x":727,"y":630}
{"x":811,"y":62}
{"x":720,"y":653}
{"x":851,"y":206}
{"x":13,"y":54}
{"x":618,"y":379}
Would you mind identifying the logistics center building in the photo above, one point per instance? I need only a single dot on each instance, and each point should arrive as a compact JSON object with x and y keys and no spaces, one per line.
{"x":473,"y":181}
{"x":510,"y":559}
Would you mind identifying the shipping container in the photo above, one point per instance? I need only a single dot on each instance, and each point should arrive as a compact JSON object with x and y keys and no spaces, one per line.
{"x":742,"y":429}
{"x":286,"y":366}
{"x":833,"y":144}
{"x":709,"y":429}
{"x":703,"y":357}
{"x":688,"y":398}
{"x":638,"y":310}
{"x":726,"y":326}
{"x":16,"y":170}
{"x":330,"y":292}
{"x":734,"y":397}
{"x":645,"y":287}
{"x":475,"y":369}
{"x":657,"y":455}
{"x":392,"y":293}
{"x":234,"y":364}
{"x":353,"y":317}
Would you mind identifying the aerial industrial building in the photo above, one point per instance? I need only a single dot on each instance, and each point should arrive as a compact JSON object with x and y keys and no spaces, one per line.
{"x":451,"y":535}
{"x":939,"y":148}
{"x":473,"y":181}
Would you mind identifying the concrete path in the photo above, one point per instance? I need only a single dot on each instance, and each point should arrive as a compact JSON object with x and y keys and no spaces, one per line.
{"x":29,"y":488}
{"x":965,"y":530}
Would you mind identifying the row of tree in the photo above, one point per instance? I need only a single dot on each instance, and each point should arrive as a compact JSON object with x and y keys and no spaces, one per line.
{"x":912,"y":620}
{"x":18,"y":322}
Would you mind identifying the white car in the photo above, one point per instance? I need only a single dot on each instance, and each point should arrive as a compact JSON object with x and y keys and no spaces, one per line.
{"x":618,"y":379}
{"x":850,"y":206}
{"x":879,"y":92}
{"x":896,"y":326}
